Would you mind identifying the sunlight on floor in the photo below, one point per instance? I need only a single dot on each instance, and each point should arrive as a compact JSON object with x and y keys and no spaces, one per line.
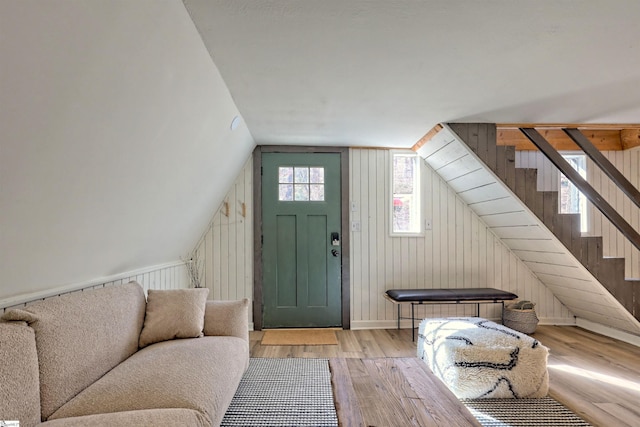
{"x":485,"y":419}
{"x":631,"y":385}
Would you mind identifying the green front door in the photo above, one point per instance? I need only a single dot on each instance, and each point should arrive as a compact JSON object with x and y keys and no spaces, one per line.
{"x":301,"y":233}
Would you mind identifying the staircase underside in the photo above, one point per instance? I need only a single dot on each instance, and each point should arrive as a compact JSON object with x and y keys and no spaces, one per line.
{"x":519,"y":228}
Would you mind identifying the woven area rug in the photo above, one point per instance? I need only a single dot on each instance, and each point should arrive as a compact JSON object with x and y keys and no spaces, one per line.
{"x":299,"y":337}
{"x":523,"y":413}
{"x":284,"y":392}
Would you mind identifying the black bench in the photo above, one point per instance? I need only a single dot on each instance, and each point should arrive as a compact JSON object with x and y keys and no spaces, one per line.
{"x":446,"y":296}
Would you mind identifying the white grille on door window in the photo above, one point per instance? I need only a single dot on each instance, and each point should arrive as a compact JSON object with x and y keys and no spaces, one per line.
{"x":300,"y":184}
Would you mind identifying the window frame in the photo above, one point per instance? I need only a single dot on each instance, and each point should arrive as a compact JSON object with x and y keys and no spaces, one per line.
{"x":417,"y":194}
{"x":293,"y":183}
{"x":584,"y":216}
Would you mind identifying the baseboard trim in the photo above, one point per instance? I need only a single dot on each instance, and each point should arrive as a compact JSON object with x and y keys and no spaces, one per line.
{"x":608,"y":331}
{"x":557,"y":321}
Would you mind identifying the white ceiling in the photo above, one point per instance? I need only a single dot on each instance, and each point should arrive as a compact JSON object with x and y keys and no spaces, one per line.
{"x":383,"y":72}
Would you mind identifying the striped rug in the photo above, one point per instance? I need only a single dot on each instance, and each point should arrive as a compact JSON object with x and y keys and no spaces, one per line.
{"x":545,"y":411}
{"x":284,"y":392}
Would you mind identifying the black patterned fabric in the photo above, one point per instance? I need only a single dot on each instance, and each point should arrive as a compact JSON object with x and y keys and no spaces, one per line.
{"x":523,"y":413}
{"x":283,"y":392}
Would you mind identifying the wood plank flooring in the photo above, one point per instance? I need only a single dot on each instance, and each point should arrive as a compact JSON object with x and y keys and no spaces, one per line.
{"x":394,"y":391}
{"x":595,"y":376}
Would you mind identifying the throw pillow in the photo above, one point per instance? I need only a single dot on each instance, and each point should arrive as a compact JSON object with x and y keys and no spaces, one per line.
{"x":175,"y":313}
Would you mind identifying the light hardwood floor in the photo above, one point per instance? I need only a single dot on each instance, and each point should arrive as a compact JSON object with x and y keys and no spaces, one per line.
{"x":595,"y":376}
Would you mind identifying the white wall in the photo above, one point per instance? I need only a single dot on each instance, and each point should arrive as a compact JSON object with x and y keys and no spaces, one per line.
{"x":114,"y":136}
{"x":614,"y":243}
{"x":459,"y":252}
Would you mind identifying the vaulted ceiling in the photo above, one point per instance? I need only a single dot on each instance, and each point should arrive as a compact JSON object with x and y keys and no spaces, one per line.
{"x":384,"y":72}
{"x":115,"y":139}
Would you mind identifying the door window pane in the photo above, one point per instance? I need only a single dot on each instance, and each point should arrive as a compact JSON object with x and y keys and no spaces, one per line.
{"x":285,"y":193}
{"x":317,"y":175}
{"x":301,"y":192}
{"x":301,"y":175}
{"x":285,"y":174}
{"x":300,"y":184}
{"x":316,"y":193}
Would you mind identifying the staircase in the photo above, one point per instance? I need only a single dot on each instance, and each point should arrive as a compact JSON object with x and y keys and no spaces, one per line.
{"x":527,"y":220}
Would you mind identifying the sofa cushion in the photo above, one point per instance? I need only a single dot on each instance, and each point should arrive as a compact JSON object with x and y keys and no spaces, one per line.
{"x":19,"y":382}
{"x":144,"y":418}
{"x":227,"y":318}
{"x":174,"y":313}
{"x":81,"y":336}
{"x":200,"y":374}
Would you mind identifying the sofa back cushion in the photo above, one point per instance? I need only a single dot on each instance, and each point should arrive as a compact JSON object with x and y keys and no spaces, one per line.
{"x":173,"y":313}
{"x":19,"y":390}
{"x":81,"y":336}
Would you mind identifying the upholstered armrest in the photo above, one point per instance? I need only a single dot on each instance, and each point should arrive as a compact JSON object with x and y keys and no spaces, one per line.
{"x":227,"y":318}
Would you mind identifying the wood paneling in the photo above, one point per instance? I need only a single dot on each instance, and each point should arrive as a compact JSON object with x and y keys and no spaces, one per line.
{"x":628,"y":163}
{"x":170,"y":276}
{"x":515,"y":225}
{"x":459,"y":251}
{"x":607,"y":137}
{"x":227,"y":245}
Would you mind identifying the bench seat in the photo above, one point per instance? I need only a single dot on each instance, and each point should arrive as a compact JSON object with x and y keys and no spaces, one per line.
{"x":446,"y":296}
{"x":450,"y":295}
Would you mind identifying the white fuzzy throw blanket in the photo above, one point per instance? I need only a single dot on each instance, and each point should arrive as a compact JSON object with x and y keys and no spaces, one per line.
{"x":477,"y":358}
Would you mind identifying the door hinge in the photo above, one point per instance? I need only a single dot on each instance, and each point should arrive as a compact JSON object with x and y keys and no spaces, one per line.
{"x":262,"y":239}
{"x":261,"y":171}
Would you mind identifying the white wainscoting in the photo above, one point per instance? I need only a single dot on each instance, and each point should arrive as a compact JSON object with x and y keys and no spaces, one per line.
{"x":226,"y":247}
{"x":167,"y":276}
{"x":614,"y":243}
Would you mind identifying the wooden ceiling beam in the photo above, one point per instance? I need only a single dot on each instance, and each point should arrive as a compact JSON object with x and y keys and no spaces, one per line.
{"x":629,"y":138}
{"x":606,"y":137}
{"x":581,"y":126}
{"x":427,"y":137}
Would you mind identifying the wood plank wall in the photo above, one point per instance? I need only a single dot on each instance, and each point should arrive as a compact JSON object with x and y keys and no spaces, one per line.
{"x":226,"y":247}
{"x":165,"y":277}
{"x":458,"y":252}
{"x":627,"y":162}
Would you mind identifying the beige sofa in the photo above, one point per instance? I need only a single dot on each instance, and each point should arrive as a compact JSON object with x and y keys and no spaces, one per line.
{"x":111,"y":357}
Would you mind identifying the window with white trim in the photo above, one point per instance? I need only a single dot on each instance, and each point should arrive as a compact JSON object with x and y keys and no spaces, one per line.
{"x":406,"y":218}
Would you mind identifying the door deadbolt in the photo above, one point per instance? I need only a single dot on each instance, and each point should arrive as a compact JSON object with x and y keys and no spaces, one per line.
{"x":335,"y":252}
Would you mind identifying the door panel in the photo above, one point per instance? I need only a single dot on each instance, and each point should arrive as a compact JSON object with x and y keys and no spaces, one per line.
{"x":317,"y":252}
{"x":300,"y":211}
